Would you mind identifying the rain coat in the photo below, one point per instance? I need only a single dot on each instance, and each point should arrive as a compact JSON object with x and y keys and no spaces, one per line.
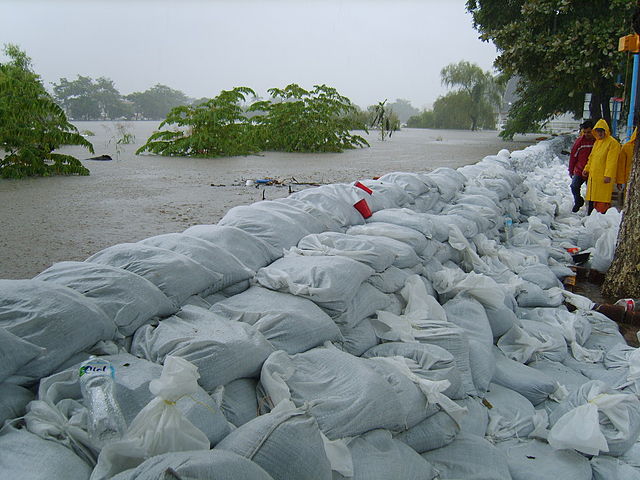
{"x":625,"y":159}
{"x":603,"y":162}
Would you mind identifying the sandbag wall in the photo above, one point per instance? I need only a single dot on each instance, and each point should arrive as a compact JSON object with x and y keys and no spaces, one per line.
{"x":427,"y":341}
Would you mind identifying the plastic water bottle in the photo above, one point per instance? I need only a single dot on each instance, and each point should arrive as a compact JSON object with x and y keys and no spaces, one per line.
{"x":630,"y":304}
{"x":106,"y":421}
{"x":508,"y":228}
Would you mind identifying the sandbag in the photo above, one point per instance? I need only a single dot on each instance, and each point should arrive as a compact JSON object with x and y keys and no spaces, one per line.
{"x":345,"y":395}
{"x":223,"y":350}
{"x":560,"y":373}
{"x":358,"y":338}
{"x":286,"y":443}
{"x":216,"y":259}
{"x":377,"y":456}
{"x":617,"y":420}
{"x":367,"y":301}
{"x":128,"y":299}
{"x":477,"y":418}
{"x":389,"y":281}
{"x":431,"y":226}
{"x":13,"y":400}
{"x":605,"y":467}
{"x":435,"y":431}
{"x":336,"y":200}
{"x":410,"y":236}
{"x":534,"y":385}
{"x":216,"y":463}
{"x":15,"y":352}
{"x":291,"y":323}
{"x":410,"y":182}
{"x":27,"y":456}
{"x":531,"y":295}
{"x":331,"y":282}
{"x":271,"y":225}
{"x":55,"y":318}
{"x":238,"y":400}
{"x":536,"y":460}
{"x":469,"y":457}
{"x":132,"y":377}
{"x":357,"y":247}
{"x":175,"y":274}
{"x":385,"y":194}
{"x":250,"y":250}
{"x":540,"y":275}
{"x":511,"y":414}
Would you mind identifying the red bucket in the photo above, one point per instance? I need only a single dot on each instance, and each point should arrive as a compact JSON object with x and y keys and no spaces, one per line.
{"x":362,"y":186}
{"x":363,"y":207}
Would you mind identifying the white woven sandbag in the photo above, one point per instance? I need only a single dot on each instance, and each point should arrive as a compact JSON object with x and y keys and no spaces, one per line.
{"x":605,"y":467}
{"x":605,"y":333}
{"x":616,"y":422}
{"x":431,"y":226}
{"x":270,"y":225}
{"x":336,"y":200}
{"x":212,"y":257}
{"x":216,"y":463}
{"x":238,"y":400}
{"x":535,"y":460}
{"x":223,"y":350}
{"x":511,"y":414}
{"x":386,"y":194}
{"x":367,"y":301}
{"x":432,"y":363}
{"x":331,"y":282}
{"x":540,"y":275}
{"x":175,"y":274}
{"x":411,"y":183}
{"x":560,"y":373}
{"x":345,"y":395}
{"x":378,"y":456}
{"x":127,"y":298}
{"x":469,"y":457}
{"x":13,"y":400}
{"x":531,"y":295}
{"x":357,"y":247}
{"x":358,"y":338}
{"x":410,"y":236}
{"x":325,"y":218}
{"x":389,"y":281}
{"x":435,"y":431}
{"x":477,"y":418}
{"x":55,"y":318}
{"x":250,"y":250}
{"x":25,"y":455}
{"x":534,"y":385}
{"x":286,"y":443}
{"x":448,"y":180}
{"x":291,"y":323}
{"x":15,"y":352}
{"x":468,"y":313}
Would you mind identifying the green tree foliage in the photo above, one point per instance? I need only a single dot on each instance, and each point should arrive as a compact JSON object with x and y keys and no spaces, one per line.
{"x":88,"y":99}
{"x":32,"y":125}
{"x":560,"y":49}
{"x":299,"y":120}
{"x":215,"y":128}
{"x":403,"y":109}
{"x":156,"y":102}
{"x":481,"y":89}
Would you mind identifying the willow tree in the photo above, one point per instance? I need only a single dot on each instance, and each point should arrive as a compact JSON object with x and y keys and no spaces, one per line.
{"x":483,"y":90}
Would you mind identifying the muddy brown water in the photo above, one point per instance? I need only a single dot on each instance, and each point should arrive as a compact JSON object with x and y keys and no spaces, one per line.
{"x":47,"y":220}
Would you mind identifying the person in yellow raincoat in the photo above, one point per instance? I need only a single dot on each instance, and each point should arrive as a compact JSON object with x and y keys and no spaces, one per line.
{"x":624,"y":161}
{"x":601,"y":168}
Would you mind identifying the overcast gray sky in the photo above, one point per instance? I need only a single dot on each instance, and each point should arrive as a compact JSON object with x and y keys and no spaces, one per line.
{"x":369,"y":50}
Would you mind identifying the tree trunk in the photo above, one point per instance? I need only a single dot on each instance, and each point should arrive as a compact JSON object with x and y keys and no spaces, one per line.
{"x":595,"y":106}
{"x":623,"y":278}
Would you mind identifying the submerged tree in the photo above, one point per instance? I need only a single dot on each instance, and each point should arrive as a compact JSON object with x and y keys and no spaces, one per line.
{"x":299,"y":120}
{"x":481,"y":88}
{"x":156,"y":102}
{"x":384,"y":119}
{"x":87,"y":99}
{"x":215,"y":128}
{"x":32,"y":125}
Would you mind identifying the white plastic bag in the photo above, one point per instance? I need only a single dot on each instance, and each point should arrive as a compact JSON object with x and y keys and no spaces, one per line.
{"x":159,"y":427}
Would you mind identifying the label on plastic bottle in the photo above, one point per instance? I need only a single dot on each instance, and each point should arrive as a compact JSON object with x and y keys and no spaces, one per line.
{"x":96,"y":368}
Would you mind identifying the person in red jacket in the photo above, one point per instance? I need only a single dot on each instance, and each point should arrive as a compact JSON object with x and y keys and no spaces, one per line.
{"x":578,"y":159}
